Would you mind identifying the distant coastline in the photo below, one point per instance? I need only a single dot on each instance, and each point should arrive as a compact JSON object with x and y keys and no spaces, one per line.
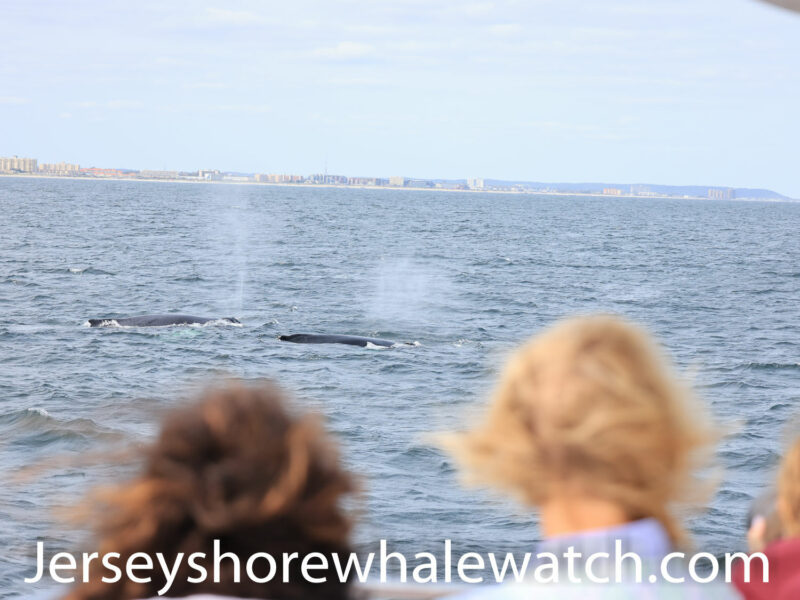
{"x":485,"y":190}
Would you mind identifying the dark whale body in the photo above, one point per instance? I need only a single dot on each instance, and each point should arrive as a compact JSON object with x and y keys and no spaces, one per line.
{"x":351,"y":340}
{"x":156,"y":321}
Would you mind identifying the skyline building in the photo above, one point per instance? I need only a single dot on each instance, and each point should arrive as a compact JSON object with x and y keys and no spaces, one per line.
{"x":16,"y":164}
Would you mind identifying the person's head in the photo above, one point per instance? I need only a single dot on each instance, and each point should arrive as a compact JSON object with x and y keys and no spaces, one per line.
{"x":235,"y":466}
{"x":789,"y":492}
{"x":590,"y":409}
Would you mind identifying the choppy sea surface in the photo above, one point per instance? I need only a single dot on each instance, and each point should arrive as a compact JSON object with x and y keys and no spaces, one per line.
{"x":467,"y":276}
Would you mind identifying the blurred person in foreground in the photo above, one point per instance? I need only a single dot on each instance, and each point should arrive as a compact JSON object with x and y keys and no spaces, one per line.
{"x":783,"y":553}
{"x":235,"y":466}
{"x":590,"y":426}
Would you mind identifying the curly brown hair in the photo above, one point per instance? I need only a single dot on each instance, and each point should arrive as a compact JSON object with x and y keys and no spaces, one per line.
{"x":237,"y":467}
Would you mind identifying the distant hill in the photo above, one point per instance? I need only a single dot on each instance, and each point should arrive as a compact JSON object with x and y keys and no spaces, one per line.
{"x":642,"y":189}
{"x":666,"y":190}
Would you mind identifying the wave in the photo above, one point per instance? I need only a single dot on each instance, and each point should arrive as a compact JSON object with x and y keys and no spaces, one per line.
{"x":371,"y":346}
{"x":88,"y":271}
{"x":20,"y":282}
{"x":269,"y":324}
{"x":39,"y":411}
{"x":36,"y":427}
{"x":213,"y":323}
{"x":105,"y":323}
{"x":779,"y":407}
{"x":216,"y":323}
{"x":770,"y":365}
{"x":466,"y":342}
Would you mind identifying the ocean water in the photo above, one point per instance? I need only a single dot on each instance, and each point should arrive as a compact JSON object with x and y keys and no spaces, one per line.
{"x":467,"y":276}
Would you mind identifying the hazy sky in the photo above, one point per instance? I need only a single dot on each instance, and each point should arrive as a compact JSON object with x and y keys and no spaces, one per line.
{"x":661,"y":91}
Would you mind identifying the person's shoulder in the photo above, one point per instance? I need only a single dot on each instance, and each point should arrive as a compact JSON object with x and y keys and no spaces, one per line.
{"x":790,"y":590}
{"x":788,"y":550}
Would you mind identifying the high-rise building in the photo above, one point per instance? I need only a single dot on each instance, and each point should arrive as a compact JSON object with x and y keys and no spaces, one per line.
{"x":476,"y":183}
{"x":98,"y":172}
{"x":397,"y":181}
{"x":363,"y":181}
{"x":210,"y":174}
{"x":18,"y":165}
{"x":61,"y":168}
{"x":151,"y":174}
{"x":641,"y":190}
{"x":419,"y":183}
{"x":721,"y":193}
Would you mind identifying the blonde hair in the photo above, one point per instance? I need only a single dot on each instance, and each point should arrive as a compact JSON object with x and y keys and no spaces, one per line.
{"x":591,"y":407}
{"x":789,"y":491}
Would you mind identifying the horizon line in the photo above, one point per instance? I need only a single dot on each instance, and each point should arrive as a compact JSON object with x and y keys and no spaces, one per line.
{"x":73,"y":170}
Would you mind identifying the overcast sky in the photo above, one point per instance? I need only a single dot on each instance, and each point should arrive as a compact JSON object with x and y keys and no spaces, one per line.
{"x":659,"y":91}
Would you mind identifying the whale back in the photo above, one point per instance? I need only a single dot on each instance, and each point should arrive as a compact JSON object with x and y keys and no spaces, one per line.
{"x":157,"y":321}
{"x":350,"y":340}
{"x":100,"y":322}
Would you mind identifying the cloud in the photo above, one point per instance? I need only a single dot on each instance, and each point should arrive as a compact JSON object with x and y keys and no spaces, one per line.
{"x":170,"y":61}
{"x":345,"y":51}
{"x":505,"y":30}
{"x":478,"y":9}
{"x":229,"y":18}
{"x":253,"y":108}
{"x":205,"y":85}
{"x":96,"y":109}
{"x":373,"y":82}
{"x":620,"y":130}
{"x":111,"y":104}
{"x":123,"y":104}
{"x":13,"y":100}
{"x":242,"y":108}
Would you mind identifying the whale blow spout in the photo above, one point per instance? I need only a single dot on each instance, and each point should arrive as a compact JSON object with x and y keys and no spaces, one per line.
{"x":160,"y":321}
